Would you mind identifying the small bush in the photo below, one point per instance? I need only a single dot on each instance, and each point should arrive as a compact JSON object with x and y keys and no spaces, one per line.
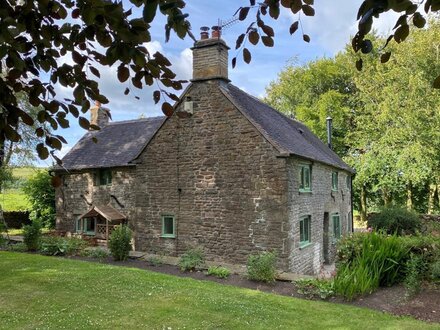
{"x":315,"y":288}
{"x":53,"y":246}
{"x":120,"y":243}
{"x":98,"y":253}
{"x":395,"y":221}
{"x":155,"y":261}
{"x":192,"y":259}
{"x":32,"y":236}
{"x":261,"y":267}
{"x":415,"y":267}
{"x":18,"y":247}
{"x":219,"y":271}
{"x":435,"y":271}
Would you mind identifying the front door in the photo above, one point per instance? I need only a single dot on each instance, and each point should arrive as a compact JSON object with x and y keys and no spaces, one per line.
{"x":326,"y":238}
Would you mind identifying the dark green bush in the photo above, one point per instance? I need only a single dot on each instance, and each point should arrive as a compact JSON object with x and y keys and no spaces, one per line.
{"x":415,"y":268}
{"x":55,"y":245}
{"x":32,"y":236}
{"x":120,"y":243}
{"x":395,"y":220}
{"x":261,"y":267}
{"x":435,"y":270}
{"x":18,"y":247}
{"x":218,"y":271}
{"x":192,"y":259}
{"x":98,"y":253}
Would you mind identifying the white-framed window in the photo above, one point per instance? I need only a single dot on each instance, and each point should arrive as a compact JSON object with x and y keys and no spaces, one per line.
{"x":305,"y":228}
{"x":168,"y":226}
{"x":305,"y":177}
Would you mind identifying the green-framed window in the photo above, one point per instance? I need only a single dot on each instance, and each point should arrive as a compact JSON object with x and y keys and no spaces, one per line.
{"x":78,"y":225}
{"x":89,"y":226}
{"x":348,"y":181}
{"x":168,"y":226}
{"x":305,"y":177}
{"x":335,"y":178}
{"x":103,"y":177}
{"x":305,"y":228}
{"x":336,"y":219}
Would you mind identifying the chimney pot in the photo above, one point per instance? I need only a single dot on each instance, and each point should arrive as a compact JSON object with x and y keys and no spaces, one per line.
{"x":204,"y":32}
{"x":216,"y":31}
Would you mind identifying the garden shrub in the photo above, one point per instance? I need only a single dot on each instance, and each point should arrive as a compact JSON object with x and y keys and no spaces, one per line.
{"x":120,"y":242}
{"x":59,"y":246}
{"x":435,"y":270}
{"x":98,"y":253}
{"x":155,"y":261}
{"x":261,"y":267}
{"x":415,"y":268}
{"x":192,"y":259}
{"x":18,"y":247}
{"x":367,"y":261}
{"x":315,"y":288}
{"x":32,"y":236}
{"x":219,"y":271}
{"x":395,"y":220}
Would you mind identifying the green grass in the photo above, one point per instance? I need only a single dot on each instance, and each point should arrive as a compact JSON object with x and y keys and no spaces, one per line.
{"x":14,"y":200}
{"x":54,"y":293}
{"x":25,"y":172}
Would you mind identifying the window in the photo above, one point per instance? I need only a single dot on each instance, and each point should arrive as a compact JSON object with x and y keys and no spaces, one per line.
{"x":168,"y":226}
{"x":336,"y":225}
{"x":89,"y":226}
{"x":79,"y":225}
{"x":348,"y":181}
{"x":305,"y":231}
{"x":103,"y":177}
{"x":305,"y":178}
{"x":349,"y":223}
{"x":335,"y":181}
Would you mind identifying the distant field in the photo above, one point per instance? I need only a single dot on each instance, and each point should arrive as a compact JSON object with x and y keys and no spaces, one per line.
{"x":13,"y":199}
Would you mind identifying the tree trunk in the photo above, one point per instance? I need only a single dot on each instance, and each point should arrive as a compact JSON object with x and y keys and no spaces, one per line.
{"x":386,"y":196}
{"x":363,"y":204}
{"x":431,"y":198}
{"x":409,"y":196}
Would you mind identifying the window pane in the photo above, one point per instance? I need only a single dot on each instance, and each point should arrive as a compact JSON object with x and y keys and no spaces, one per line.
{"x":168,"y":226}
{"x":306,"y":177}
{"x":301,"y":231}
{"x":89,"y":225}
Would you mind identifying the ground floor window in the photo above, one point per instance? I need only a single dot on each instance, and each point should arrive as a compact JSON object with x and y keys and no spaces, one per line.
{"x":168,"y":226}
{"x":78,"y":225}
{"x":336,"y":225}
{"x":89,"y":225}
{"x":305,"y":230}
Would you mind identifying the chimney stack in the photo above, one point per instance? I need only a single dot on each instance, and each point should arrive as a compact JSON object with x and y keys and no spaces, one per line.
{"x":99,"y":115}
{"x":329,"y":132}
{"x":210,"y":56}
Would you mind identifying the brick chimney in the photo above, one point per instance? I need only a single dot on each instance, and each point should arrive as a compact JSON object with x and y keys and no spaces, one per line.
{"x":210,"y":56}
{"x":99,"y":115}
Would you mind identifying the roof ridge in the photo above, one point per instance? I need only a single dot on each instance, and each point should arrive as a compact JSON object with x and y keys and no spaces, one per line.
{"x":136,"y":120}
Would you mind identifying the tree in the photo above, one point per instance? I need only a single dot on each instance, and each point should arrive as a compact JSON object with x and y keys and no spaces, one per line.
{"x":35,"y":35}
{"x":387,"y":117}
{"x":41,"y":194}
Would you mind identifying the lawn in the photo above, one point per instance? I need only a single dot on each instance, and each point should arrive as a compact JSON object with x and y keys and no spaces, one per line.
{"x":14,"y":200}
{"x":56,"y":293}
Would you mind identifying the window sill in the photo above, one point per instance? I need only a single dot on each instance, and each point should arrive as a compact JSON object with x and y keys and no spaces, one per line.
{"x":168,"y":236}
{"x":304,"y":245}
{"x":305,"y":191}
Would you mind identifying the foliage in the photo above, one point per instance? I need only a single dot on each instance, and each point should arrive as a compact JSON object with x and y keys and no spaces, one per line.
{"x":55,"y":245}
{"x":315,"y":288}
{"x":395,"y":220}
{"x":41,"y":195}
{"x":32,"y":235}
{"x":139,"y":297}
{"x":3,"y":240}
{"x":120,"y":242}
{"x":97,"y":253}
{"x":17,"y":247}
{"x":219,"y":271}
{"x":155,"y":261}
{"x":369,"y":261}
{"x":261,"y":267}
{"x":192,"y":259}
{"x":435,"y":271}
{"x":415,"y":267}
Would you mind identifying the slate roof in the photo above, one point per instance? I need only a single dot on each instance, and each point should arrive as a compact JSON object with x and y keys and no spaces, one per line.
{"x":118,"y":144}
{"x":289,"y":136}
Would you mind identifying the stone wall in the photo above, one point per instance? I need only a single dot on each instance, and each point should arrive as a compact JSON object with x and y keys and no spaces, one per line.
{"x":320,"y":200}
{"x":220,"y":179}
{"x":78,"y":194}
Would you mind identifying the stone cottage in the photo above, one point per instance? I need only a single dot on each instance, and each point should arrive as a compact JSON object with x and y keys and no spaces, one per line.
{"x":226,"y":173}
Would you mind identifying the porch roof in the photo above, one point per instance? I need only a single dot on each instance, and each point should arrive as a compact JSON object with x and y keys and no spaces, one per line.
{"x":106,"y":211}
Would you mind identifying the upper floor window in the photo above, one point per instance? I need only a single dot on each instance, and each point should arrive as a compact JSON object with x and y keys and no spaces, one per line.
{"x":348,"y":181}
{"x":335,"y":178}
{"x":305,"y":177}
{"x":103,"y":177}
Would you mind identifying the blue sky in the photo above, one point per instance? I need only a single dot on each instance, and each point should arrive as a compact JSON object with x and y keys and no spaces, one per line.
{"x":330,"y":29}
